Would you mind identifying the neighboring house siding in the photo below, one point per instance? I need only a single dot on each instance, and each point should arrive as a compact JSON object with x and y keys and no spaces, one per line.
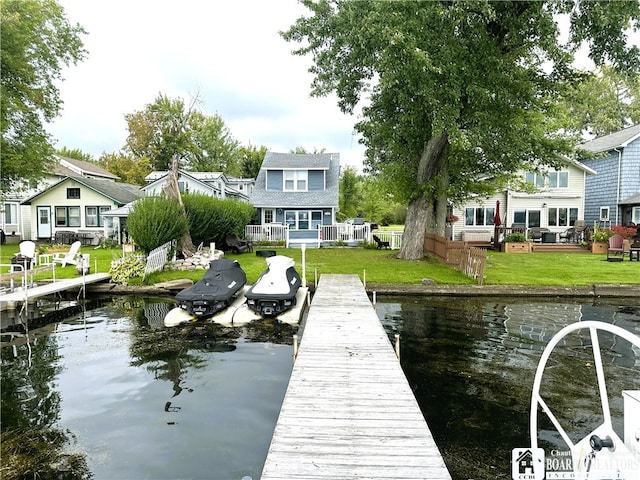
{"x":630,"y":178}
{"x":602,"y":188}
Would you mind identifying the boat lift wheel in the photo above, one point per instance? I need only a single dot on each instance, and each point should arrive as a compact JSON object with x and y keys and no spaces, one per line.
{"x":601,"y":447}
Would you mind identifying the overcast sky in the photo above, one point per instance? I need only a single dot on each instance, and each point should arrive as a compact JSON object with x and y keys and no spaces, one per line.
{"x":228,"y":52}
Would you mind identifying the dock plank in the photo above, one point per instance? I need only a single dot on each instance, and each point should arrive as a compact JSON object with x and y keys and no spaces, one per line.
{"x":9,"y":300}
{"x":349,"y":411}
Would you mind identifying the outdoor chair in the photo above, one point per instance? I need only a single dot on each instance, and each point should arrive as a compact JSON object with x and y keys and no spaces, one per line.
{"x":380,"y":244}
{"x":536,"y":234}
{"x":26,"y":257}
{"x":237,"y":245}
{"x":70,"y":257}
{"x":615,"y":252}
{"x":580,"y":228}
{"x":568,"y":236}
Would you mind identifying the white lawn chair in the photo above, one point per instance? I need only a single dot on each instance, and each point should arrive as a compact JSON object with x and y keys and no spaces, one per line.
{"x":26,"y":257}
{"x":70,"y":257}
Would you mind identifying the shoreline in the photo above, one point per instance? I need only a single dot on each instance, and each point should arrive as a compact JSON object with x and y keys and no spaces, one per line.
{"x":586,"y":291}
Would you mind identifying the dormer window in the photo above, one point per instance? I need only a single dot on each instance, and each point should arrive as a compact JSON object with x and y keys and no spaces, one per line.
{"x":295,"y":180}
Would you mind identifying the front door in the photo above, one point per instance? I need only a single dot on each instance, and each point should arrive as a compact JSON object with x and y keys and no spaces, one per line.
{"x":44,"y":222}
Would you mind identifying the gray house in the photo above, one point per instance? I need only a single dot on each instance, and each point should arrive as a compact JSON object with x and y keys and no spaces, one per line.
{"x":299,"y":191}
{"x":612,"y":197}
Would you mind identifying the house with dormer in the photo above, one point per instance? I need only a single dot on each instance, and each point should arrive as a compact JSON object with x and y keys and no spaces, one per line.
{"x":299,"y":191}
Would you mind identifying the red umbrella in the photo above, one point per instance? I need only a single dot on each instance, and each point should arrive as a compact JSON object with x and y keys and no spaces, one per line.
{"x":497,"y":221}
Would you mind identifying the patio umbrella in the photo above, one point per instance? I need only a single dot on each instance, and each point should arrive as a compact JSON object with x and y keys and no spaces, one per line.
{"x":497,"y":221}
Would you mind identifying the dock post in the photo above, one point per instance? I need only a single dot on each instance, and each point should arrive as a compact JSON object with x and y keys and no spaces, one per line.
{"x":374,"y":300}
{"x":398,"y":346}
{"x":295,"y":347}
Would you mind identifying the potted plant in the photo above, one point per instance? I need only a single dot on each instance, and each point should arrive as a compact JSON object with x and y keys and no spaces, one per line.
{"x":516,"y":243}
{"x":600,"y":239}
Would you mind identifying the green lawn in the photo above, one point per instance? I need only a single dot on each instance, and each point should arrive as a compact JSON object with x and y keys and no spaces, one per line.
{"x":381,"y":266}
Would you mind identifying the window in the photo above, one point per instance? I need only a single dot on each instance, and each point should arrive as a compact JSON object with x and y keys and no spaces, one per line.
{"x":536,"y":179}
{"x":299,"y":220}
{"x":635,"y":215}
{"x":562,"y":217}
{"x":268,"y":216}
{"x":295,"y":181}
{"x":550,"y":179}
{"x":528,"y":218}
{"x":73,"y":193}
{"x":67,"y":216}
{"x":479,"y":216}
{"x":93,"y":216}
{"x":558,"y":179}
{"x":604,"y":214}
{"x":10,"y":213}
{"x":183,"y":187}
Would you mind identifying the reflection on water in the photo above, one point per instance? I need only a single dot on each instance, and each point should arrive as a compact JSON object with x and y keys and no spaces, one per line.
{"x":471,"y":363}
{"x":133,"y":399}
{"x":143,"y":401}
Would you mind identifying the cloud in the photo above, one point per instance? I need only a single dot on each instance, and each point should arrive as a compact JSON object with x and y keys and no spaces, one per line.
{"x":229,"y":53}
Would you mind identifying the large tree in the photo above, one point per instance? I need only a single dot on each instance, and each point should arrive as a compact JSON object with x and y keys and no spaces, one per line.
{"x":453,"y":91}
{"x":37,"y":42}
{"x":603,"y":102}
{"x":130,"y":169}
{"x":169,"y":127}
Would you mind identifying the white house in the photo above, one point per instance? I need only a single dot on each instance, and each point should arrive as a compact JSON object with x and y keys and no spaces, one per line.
{"x":557,"y":204}
{"x":75,"y":207}
{"x":16,"y":219}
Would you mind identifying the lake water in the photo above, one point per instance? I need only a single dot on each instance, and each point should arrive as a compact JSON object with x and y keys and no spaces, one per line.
{"x":138,"y":400}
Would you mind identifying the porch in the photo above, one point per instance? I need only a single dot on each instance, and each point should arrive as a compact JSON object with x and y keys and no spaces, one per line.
{"x":323,"y":236}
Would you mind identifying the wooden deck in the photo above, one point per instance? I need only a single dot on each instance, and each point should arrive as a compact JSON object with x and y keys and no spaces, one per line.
{"x":349,"y":411}
{"x":10,"y":300}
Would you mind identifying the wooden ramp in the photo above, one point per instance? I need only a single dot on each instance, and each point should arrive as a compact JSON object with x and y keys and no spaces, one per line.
{"x":349,"y":411}
{"x":10,"y":300}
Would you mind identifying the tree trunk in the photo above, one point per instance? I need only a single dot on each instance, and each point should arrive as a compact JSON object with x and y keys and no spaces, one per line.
{"x":172,"y":190}
{"x":428,"y":210}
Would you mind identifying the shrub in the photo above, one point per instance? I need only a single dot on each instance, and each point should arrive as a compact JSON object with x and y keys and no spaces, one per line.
{"x":211,"y":219}
{"x":156,"y":220}
{"x":125,"y":268}
{"x":515,"y":237}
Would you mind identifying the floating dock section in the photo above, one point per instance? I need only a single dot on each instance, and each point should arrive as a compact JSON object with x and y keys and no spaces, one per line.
{"x":349,"y":411}
{"x":10,"y":301}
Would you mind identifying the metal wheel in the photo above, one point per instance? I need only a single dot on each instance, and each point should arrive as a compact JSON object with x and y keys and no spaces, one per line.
{"x":602,"y":449}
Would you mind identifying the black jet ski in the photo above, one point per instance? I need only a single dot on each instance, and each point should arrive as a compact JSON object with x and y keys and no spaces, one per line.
{"x":275,"y":291}
{"x":215,"y":291}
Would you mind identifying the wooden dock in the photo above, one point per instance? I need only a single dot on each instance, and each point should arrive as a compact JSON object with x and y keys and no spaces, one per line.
{"x":11,"y":300}
{"x":349,"y":411}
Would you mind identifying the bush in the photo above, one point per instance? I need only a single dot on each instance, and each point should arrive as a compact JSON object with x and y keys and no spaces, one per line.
{"x":156,"y":220}
{"x":210,"y":219}
{"x":125,"y":268}
{"x":515,"y":237}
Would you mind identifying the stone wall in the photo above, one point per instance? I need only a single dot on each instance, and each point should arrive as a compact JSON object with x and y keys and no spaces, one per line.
{"x":199,"y":261}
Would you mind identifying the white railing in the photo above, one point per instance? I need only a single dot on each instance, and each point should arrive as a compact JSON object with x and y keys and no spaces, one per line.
{"x":324,"y":234}
{"x":157,"y":258}
{"x":275,"y":232}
